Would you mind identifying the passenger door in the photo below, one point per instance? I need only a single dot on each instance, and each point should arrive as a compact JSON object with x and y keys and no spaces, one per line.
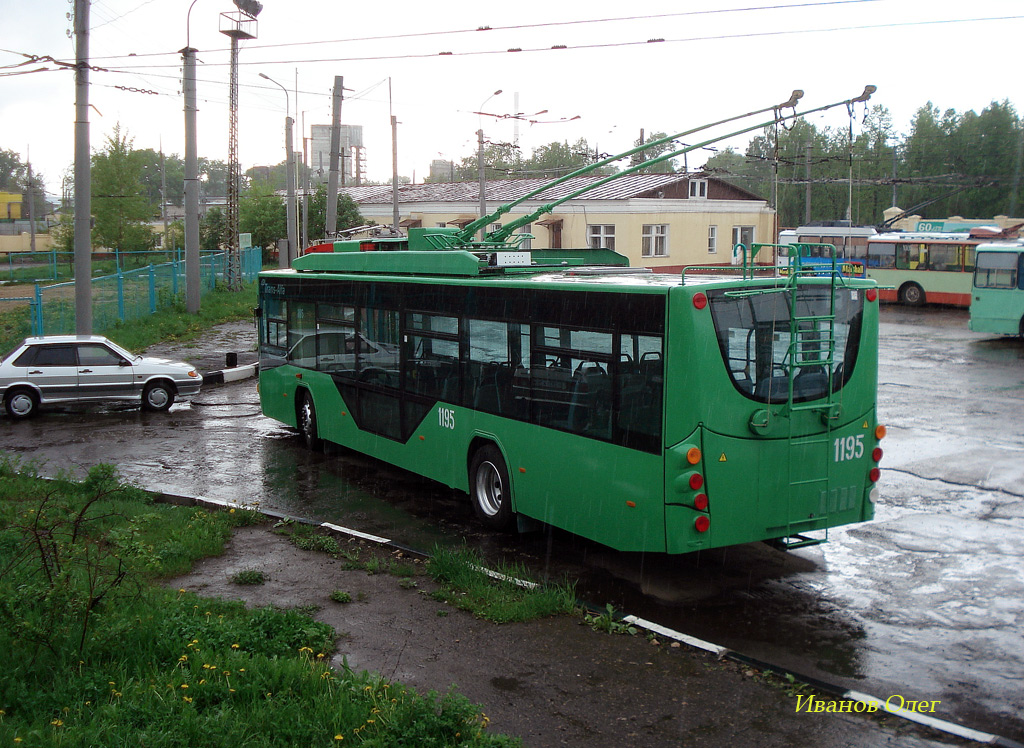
{"x":52,"y":369}
{"x":104,"y":374}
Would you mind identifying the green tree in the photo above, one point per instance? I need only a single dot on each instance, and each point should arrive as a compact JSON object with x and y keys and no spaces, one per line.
{"x":14,"y":178}
{"x":213,"y":230}
{"x":119,"y":206}
{"x":348,"y":213}
{"x":558,"y":159}
{"x":152,"y":179}
{"x":262,"y":214}
{"x":670,"y":166}
{"x":213,"y":178}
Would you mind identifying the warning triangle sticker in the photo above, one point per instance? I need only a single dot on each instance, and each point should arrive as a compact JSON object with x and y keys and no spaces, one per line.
{"x":866,"y":425}
{"x":722,"y":458}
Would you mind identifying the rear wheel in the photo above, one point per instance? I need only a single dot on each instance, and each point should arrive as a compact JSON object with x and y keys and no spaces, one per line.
{"x":307,"y":423}
{"x":490,"y":489}
{"x":21,"y":403}
{"x":911,"y":294}
{"x":157,"y":396}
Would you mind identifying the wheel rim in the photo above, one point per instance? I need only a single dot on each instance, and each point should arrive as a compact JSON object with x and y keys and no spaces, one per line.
{"x":21,"y":404}
{"x":157,"y":397}
{"x":306,"y":414}
{"x":489,"y":491}
{"x":912,"y":294}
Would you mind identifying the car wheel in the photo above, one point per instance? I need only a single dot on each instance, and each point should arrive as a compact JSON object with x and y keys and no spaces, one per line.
{"x":157,"y":396}
{"x":912,"y":294}
{"x":489,"y":488}
{"x":21,"y":403}
{"x":307,"y":423}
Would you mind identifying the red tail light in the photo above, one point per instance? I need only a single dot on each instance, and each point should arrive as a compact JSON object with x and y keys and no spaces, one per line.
{"x":700,"y":300}
{"x":876,"y":454}
{"x":700,"y":501}
{"x":702,"y":523}
{"x":696,"y":481}
{"x":874,"y":475}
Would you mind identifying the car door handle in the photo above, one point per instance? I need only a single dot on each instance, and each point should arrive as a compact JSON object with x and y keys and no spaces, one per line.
{"x":37,"y":371}
{"x":85,"y":371}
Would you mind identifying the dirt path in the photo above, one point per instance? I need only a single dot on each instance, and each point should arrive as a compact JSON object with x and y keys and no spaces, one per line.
{"x":553,"y":682}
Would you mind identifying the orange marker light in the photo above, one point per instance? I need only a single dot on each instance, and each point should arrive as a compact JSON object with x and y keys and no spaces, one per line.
{"x":522,"y":470}
{"x":693,"y":455}
{"x":423,"y":438}
{"x":880,"y":432}
{"x":631,"y":504}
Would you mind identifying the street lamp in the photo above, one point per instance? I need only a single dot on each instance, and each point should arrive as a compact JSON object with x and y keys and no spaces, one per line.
{"x":284,"y":260}
{"x":480,"y":160}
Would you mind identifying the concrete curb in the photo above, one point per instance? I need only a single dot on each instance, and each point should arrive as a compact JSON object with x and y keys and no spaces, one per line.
{"x":950,"y":728}
{"x":231,"y":375}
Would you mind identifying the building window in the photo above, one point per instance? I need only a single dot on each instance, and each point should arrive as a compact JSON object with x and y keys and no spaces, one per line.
{"x":654,"y":242}
{"x":601,"y":236}
{"x":699,"y":188}
{"x":441,"y":224}
{"x":526,"y":243}
{"x":712,"y":240}
{"x":743,"y":235}
{"x":493,"y":227}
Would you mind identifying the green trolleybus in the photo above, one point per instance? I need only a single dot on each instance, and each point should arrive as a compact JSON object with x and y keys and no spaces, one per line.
{"x":997,"y":297}
{"x":646,"y":412}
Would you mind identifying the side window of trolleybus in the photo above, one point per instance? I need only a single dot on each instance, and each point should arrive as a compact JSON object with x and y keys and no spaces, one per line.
{"x":754,"y":337}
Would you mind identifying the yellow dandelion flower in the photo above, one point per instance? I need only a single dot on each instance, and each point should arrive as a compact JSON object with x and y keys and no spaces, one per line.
{"x":231,"y":690}
{"x":184,"y":685}
{"x":183,"y":658}
{"x":57,"y":722}
{"x":339,"y":737}
{"x":241,"y":669}
{"x":227,"y":673}
{"x":117,"y":694}
{"x":187,"y":699}
{"x":234,"y":646}
{"x":202,"y":681}
{"x":18,"y":740}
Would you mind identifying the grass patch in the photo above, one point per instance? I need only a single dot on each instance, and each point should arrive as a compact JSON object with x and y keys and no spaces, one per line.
{"x":175,"y":323}
{"x":249,"y":576}
{"x":464,"y":584}
{"x":101,"y":654}
{"x":169,"y":323}
{"x":340,"y":596}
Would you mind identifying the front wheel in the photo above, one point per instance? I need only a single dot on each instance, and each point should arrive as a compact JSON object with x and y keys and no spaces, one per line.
{"x":21,"y":403}
{"x":307,"y":423}
{"x":157,"y":396}
{"x":490,"y":489}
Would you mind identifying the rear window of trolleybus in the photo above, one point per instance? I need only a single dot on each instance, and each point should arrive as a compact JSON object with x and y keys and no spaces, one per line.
{"x":754,"y":338}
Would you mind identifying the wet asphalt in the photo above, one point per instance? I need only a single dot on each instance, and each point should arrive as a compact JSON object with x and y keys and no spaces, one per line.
{"x":925,"y":602}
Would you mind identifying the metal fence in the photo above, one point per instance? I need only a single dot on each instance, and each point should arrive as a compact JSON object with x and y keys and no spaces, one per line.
{"x":130,"y":294}
{"x":54,"y":265}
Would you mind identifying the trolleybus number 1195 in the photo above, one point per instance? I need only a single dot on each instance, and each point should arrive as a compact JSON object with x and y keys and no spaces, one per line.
{"x":849,"y":448}
{"x":446,"y":418}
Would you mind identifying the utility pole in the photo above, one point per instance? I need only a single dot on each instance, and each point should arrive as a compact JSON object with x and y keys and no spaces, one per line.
{"x":163,"y":193}
{"x":332,"y":175}
{"x":32,"y":210}
{"x":394,"y":173}
{"x":83,"y":175}
{"x":192,"y":274}
{"x":807,"y":183}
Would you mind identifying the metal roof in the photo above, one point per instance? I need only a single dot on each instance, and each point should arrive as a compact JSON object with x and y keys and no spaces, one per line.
{"x":506,"y":190}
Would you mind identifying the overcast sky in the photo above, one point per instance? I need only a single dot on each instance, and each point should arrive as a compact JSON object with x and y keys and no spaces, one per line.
{"x":717,"y":59}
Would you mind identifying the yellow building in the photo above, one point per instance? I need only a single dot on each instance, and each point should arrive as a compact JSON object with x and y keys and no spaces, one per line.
{"x":10,"y":205}
{"x":662,"y":221}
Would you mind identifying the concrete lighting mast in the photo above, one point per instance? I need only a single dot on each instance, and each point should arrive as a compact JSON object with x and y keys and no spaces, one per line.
{"x":286,"y":259}
{"x":240,"y":24}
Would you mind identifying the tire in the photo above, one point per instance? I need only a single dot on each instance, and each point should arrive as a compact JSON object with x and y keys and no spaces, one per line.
{"x":490,"y":489}
{"x":912,"y":294}
{"x":21,"y":403}
{"x":158,"y":396}
{"x":307,"y":423}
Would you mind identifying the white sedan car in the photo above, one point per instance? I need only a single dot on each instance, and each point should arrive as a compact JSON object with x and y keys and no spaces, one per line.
{"x":89,"y":368}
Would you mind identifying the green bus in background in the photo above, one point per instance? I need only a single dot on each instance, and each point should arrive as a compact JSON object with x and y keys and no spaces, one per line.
{"x":646,"y":412}
{"x":997,"y":296}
